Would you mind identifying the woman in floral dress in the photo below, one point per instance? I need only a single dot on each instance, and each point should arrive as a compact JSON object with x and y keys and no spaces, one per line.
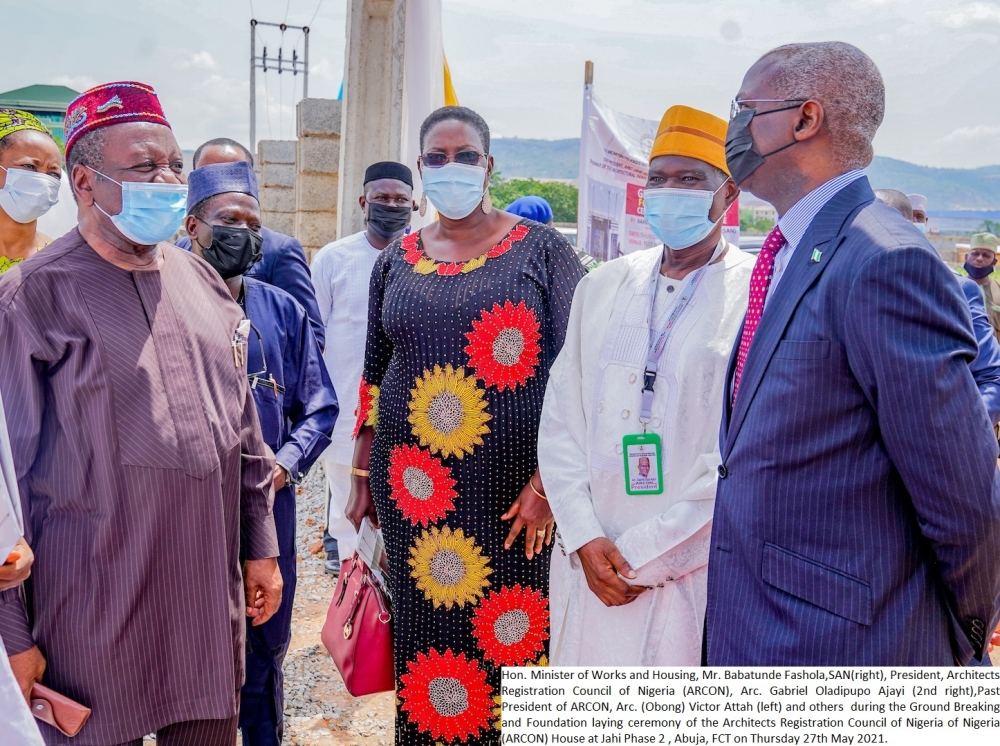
{"x":465,"y":318}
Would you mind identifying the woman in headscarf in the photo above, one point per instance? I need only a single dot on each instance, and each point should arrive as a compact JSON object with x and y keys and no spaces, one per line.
{"x":465,"y":318}
{"x":30,"y":164}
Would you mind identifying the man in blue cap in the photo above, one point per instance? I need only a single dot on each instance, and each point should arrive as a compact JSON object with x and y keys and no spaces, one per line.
{"x":296,"y":405}
{"x":283,"y":263}
{"x":539,"y":210}
{"x":531,"y":207}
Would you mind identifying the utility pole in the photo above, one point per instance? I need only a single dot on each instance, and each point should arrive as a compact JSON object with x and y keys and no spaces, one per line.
{"x":294,"y":66}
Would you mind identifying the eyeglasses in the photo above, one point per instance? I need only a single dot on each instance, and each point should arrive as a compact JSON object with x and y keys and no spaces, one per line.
{"x":263,"y":377}
{"x":737,"y":105}
{"x":466,"y":158}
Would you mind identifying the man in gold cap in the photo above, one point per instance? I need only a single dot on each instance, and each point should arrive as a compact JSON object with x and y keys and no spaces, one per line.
{"x":979,"y":264}
{"x":629,"y":437}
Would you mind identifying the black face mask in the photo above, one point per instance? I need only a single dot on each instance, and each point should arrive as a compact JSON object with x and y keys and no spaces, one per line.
{"x":388,"y":222}
{"x":978,"y":273}
{"x":741,"y":156}
{"x":233,"y":250}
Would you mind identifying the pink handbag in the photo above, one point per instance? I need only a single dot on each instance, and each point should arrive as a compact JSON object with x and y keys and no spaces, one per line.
{"x":358,"y":631}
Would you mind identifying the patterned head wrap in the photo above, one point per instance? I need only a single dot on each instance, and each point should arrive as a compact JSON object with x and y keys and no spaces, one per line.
{"x":15,"y":120}
{"x":111,"y":103}
{"x":692,"y":133}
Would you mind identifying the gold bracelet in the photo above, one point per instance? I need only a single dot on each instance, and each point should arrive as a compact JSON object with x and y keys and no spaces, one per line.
{"x":359,"y":472}
{"x":531,"y":483}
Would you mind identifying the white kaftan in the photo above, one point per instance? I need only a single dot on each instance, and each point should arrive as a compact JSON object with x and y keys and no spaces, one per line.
{"x":591,"y":402}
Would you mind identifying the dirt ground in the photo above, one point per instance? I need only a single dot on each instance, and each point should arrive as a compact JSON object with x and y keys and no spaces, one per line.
{"x":318,"y":709}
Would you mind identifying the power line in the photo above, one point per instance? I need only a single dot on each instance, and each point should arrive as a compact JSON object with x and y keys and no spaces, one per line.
{"x":287,"y":6}
{"x":318,"y":6}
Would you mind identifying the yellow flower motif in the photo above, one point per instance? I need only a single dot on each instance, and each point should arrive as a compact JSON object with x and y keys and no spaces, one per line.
{"x":497,"y":713}
{"x":448,"y":567}
{"x":446,"y":411}
{"x":543,"y":661}
{"x":372,"y":418}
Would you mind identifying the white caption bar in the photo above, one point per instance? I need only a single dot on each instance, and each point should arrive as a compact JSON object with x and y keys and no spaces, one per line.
{"x":898,"y":706}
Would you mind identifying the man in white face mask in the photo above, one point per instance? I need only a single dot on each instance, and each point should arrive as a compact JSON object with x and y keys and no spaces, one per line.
{"x":144,"y":478}
{"x":628,"y":442}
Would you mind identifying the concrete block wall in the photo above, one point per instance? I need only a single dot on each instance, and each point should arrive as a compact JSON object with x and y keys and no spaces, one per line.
{"x":276,"y":178}
{"x":316,"y":172}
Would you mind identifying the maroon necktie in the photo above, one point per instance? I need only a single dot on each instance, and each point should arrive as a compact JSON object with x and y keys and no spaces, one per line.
{"x":760,"y":281}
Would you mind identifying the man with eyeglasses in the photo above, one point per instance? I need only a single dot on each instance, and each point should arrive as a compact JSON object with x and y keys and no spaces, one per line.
{"x":143,"y":475}
{"x":295,"y":402}
{"x":340,"y":272}
{"x":843,"y":535}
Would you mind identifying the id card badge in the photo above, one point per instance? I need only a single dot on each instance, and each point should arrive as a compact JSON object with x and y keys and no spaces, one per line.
{"x":643,"y":464}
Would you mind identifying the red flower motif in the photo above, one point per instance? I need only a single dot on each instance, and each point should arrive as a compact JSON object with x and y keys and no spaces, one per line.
{"x":414,"y":254}
{"x":512,"y":625}
{"x":367,"y":411}
{"x":503,"y":346}
{"x":421,"y":485}
{"x":447,"y":696}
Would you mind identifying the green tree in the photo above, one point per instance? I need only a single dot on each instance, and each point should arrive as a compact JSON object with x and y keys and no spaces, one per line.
{"x":560,"y":196}
{"x":991,"y":226}
{"x":758,"y":227}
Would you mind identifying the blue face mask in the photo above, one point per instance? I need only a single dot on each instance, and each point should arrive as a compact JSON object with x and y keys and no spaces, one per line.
{"x":151,"y":212}
{"x":922,"y":227}
{"x":454,"y":189}
{"x":679,"y":217}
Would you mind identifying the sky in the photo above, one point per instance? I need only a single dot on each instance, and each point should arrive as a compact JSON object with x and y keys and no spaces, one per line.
{"x":520,"y":63}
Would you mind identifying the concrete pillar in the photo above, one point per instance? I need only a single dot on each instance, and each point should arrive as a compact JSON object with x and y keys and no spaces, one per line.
{"x":373,"y":99}
{"x":317,"y":163}
{"x":276,"y":179}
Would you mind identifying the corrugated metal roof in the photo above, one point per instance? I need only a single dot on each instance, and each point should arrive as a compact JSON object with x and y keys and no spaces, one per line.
{"x":39,"y":98}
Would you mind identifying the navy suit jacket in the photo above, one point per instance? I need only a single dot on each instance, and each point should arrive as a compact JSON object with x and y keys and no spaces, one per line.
{"x":857,"y":520}
{"x":284,"y":265}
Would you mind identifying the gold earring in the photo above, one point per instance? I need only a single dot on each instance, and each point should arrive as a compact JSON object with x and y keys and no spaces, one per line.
{"x":487,"y":202}
{"x":423,"y":205}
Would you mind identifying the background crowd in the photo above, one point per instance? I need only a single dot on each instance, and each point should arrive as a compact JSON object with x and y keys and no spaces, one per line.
{"x":540,"y":444}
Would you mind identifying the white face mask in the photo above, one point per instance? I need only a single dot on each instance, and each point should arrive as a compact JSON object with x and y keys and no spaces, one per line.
{"x":27,"y":195}
{"x":454,"y":189}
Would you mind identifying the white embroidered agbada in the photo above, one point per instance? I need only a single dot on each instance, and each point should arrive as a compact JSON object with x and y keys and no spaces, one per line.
{"x":591,"y":402}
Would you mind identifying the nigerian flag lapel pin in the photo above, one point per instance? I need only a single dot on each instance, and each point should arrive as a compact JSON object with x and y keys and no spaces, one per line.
{"x":817,"y":255}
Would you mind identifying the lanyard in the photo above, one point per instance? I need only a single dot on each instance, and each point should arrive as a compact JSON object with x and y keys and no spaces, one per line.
{"x":657,"y":343}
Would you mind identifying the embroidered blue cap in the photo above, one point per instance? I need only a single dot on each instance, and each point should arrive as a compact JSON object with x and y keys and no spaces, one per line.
{"x":220,"y":178}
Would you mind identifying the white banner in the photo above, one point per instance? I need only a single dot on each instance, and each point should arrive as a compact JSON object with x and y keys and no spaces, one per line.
{"x":614,"y":158}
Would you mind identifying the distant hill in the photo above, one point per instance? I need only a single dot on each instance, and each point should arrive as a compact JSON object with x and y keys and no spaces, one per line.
{"x":945,"y":188}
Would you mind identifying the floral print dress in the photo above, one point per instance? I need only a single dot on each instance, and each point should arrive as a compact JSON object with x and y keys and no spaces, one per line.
{"x":456,"y":363}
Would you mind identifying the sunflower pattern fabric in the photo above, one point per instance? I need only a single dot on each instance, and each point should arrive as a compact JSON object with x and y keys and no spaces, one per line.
{"x":455,"y":370}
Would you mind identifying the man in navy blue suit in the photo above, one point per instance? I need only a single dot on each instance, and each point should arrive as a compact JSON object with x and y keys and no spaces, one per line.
{"x":284,"y":262}
{"x":857,"y":520}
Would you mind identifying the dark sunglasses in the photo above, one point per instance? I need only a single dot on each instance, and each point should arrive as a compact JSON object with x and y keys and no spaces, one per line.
{"x":466,"y":158}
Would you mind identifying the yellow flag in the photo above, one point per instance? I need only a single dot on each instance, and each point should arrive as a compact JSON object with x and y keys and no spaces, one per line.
{"x":450,"y":99}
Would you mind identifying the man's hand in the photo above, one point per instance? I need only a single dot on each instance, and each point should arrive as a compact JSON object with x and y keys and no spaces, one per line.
{"x":994,"y":640}
{"x":360,"y":503}
{"x":533,"y":514}
{"x":263,"y":583}
{"x":17,"y":569}
{"x":280,"y":477}
{"x":28,"y":668}
{"x":602,"y":564}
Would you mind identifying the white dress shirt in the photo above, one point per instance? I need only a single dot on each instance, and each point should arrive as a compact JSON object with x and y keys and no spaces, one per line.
{"x":340,"y":273}
{"x":796,"y":221}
